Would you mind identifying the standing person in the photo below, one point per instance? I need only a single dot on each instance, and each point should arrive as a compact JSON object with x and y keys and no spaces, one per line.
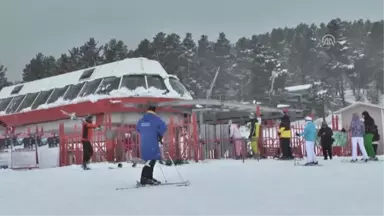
{"x":325,"y":133}
{"x":376,"y":139}
{"x":235,"y":135}
{"x":357,"y":131}
{"x":369,"y":124}
{"x":151,"y":128}
{"x":309,"y":134}
{"x":88,"y":128}
{"x":285,"y":136}
{"x":254,"y":135}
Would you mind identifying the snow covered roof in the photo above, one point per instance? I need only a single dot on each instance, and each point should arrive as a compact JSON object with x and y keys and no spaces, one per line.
{"x":282,"y":105}
{"x":137,"y":77}
{"x":358,"y":104}
{"x":298,"y":87}
{"x":118,"y":69}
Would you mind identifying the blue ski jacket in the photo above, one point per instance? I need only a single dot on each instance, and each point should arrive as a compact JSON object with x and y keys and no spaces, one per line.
{"x":150,"y":128}
{"x":309,"y":132}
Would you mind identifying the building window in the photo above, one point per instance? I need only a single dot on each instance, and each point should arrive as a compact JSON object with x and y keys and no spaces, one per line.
{"x":57,"y":93}
{"x":156,"y":82}
{"x":87,"y":74}
{"x":177,"y":86}
{"x":27,"y":102}
{"x":73,"y":91}
{"x":42,"y":98}
{"x":14,"y":104}
{"x":4,"y":103}
{"x":132,"y":82}
{"x":90,"y":87}
{"x":17,"y":89}
{"x":108,"y":84}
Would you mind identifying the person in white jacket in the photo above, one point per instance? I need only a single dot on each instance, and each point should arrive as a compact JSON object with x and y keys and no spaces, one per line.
{"x":237,"y":139}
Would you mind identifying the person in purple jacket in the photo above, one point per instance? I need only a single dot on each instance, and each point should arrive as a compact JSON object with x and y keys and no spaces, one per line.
{"x":357,"y":130}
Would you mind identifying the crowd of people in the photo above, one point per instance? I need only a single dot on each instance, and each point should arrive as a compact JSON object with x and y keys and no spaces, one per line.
{"x":364,"y":134}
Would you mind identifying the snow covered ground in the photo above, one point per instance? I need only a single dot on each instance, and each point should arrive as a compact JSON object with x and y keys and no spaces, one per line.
{"x":229,"y":187}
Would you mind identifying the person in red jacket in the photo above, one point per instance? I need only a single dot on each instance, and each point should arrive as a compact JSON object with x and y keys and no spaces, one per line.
{"x":88,"y":128}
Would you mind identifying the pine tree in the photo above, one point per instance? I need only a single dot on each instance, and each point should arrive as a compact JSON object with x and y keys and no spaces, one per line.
{"x":114,"y":50}
{"x":144,"y":49}
{"x":303,"y":55}
{"x":64,"y":64}
{"x":189,"y":64}
{"x":338,"y":62}
{"x":3,"y":78}
{"x":90,"y":53}
{"x":227,"y":83}
{"x":40,"y":67}
{"x":207,"y":67}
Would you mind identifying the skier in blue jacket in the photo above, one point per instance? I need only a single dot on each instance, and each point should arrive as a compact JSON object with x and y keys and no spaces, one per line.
{"x":151,"y":129}
{"x":309,"y":135}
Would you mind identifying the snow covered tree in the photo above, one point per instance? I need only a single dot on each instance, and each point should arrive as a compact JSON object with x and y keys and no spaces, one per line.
{"x":189,"y":64}
{"x":338,"y":62}
{"x":266,"y":69}
{"x":227,"y":82}
{"x":320,"y":98}
{"x":243,"y":66}
{"x":375,"y":56}
{"x":207,"y":66}
{"x":303,"y":56}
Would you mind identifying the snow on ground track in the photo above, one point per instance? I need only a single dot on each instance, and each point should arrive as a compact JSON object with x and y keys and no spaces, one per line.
{"x":217,"y":187}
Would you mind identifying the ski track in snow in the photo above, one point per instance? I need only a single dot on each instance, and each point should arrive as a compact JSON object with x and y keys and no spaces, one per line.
{"x":217,"y":187}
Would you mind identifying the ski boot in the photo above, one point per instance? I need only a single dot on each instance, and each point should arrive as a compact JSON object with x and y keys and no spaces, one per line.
{"x":148,"y":181}
{"x":374,"y":159}
{"x":156,"y":181}
{"x":85,"y":166}
{"x":354,"y":161}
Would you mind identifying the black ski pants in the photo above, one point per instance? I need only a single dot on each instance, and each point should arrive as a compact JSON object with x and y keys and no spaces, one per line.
{"x":285,"y":147}
{"x":375,"y":148}
{"x":87,"y":151}
{"x":327,"y":149}
{"x":147,"y":171}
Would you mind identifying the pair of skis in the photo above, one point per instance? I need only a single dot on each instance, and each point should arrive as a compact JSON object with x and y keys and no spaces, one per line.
{"x":138,"y":185}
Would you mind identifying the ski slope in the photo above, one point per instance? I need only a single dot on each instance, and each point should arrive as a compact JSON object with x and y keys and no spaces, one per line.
{"x":229,"y":187}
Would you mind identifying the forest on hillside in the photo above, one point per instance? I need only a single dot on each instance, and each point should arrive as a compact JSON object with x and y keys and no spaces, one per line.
{"x":253,"y":67}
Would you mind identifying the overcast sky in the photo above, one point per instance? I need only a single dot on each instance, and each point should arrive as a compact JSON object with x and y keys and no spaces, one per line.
{"x":53,"y":26}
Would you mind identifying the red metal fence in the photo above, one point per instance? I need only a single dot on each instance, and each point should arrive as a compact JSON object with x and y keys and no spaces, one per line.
{"x":183,"y":140}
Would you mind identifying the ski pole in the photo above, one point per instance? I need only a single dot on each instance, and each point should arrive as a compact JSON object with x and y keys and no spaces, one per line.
{"x":162,"y":172}
{"x":177,"y":170}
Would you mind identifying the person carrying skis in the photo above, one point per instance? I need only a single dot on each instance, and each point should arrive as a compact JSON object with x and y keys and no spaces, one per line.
{"x":357,"y":129}
{"x":309,"y":135}
{"x":369,"y":125}
{"x":325,"y":133}
{"x":285,"y":136}
{"x":87,"y":135}
{"x":376,"y":139}
{"x":151,"y":129}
